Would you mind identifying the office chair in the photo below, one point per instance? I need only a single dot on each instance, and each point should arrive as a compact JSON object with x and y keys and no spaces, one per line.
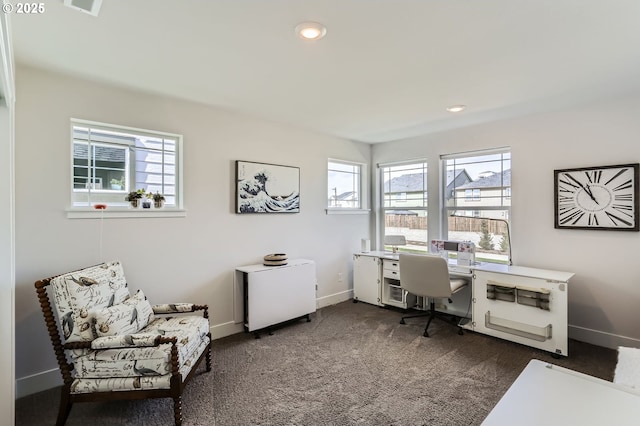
{"x":428,"y":276}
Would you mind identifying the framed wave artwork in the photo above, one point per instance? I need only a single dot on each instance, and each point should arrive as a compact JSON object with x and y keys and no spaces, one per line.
{"x":267,"y":188}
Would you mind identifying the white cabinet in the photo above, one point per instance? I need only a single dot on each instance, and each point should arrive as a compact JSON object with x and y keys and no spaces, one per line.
{"x":523,"y":305}
{"x":367,"y":273}
{"x":520,"y":304}
{"x":392,"y":292}
{"x":275,"y":294}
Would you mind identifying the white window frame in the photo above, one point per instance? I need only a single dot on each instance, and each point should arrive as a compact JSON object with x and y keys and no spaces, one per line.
{"x":361,"y":186}
{"x":475,"y":210}
{"x":122,"y":211}
{"x":383,"y":208}
{"x":102,"y":184}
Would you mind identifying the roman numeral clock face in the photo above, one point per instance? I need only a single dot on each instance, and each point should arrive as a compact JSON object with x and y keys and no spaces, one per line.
{"x":597,"y":198}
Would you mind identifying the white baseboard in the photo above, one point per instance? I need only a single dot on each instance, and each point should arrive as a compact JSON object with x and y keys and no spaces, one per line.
{"x":333,"y":299}
{"x":601,"y":338}
{"x":38,"y":382}
{"x":219,"y":331}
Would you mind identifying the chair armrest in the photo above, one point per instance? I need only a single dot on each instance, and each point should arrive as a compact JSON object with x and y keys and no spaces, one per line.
{"x":173,"y":308}
{"x":176,"y":308}
{"x":138,"y":340}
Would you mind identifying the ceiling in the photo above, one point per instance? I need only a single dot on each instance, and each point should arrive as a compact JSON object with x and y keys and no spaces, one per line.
{"x":386,"y":69}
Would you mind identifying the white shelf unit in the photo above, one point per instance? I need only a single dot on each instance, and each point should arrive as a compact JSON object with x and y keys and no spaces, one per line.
{"x":525,"y":306}
{"x":392,"y":293}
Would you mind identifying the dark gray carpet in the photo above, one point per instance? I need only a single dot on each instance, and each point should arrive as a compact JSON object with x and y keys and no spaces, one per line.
{"x":353,"y":364}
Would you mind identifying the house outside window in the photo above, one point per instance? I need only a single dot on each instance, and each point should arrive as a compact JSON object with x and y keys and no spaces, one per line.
{"x":404,"y":203}
{"x":479,"y":209}
{"x":345,"y":185}
{"x":109,"y":161}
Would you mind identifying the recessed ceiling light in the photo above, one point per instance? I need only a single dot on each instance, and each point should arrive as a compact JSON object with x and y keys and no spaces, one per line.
{"x":311,"y":30}
{"x":456,"y":108}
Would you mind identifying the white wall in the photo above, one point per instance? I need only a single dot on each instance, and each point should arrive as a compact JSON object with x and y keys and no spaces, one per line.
{"x":7,"y":243}
{"x":604,"y":295}
{"x":171,"y":259}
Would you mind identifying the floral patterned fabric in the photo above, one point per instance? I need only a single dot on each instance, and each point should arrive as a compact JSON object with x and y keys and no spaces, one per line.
{"x":127,"y":317}
{"x":79,"y":293}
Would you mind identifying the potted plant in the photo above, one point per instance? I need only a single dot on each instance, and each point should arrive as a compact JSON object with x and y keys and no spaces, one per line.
{"x":134,"y":197}
{"x":158,"y":200}
{"x":117,"y":184}
{"x":146,"y":203}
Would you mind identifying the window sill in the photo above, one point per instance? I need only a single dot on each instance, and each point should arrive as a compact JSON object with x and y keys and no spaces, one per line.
{"x":348,"y":211}
{"x":118,"y":213}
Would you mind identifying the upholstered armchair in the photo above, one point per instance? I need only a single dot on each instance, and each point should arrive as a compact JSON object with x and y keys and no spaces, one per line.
{"x":115,"y":345}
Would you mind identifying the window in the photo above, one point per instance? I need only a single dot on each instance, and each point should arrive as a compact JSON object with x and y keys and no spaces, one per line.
{"x":345,"y":185}
{"x":109,"y":161}
{"x":404,"y":203}
{"x":477,"y":201}
{"x":472,"y":194}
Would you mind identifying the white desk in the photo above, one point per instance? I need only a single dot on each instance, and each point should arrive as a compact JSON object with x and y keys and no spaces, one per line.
{"x":516,"y":303}
{"x":546,"y":394}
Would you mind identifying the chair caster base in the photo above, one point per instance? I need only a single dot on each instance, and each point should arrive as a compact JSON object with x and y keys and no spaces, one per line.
{"x":402,"y":321}
{"x":460,"y":332}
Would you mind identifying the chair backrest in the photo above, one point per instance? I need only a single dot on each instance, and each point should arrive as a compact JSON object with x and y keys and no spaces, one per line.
{"x":77,"y":295}
{"x":425,"y":275}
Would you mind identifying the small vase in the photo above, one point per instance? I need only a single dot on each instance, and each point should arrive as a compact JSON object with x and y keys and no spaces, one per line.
{"x":135,"y":203}
{"x":158,"y":204}
{"x":146,"y":204}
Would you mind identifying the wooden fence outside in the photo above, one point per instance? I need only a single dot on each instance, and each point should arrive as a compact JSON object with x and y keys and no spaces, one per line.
{"x":460,"y":224}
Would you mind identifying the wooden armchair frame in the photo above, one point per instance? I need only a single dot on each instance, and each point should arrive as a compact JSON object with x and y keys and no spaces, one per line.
{"x":177,"y":382}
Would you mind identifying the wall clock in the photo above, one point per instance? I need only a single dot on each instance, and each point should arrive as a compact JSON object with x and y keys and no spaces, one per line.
{"x":597,"y":198}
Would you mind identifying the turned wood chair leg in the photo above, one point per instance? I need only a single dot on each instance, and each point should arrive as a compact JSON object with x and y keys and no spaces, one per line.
{"x":177,"y":409}
{"x":65,"y":406}
{"x":208,"y":356}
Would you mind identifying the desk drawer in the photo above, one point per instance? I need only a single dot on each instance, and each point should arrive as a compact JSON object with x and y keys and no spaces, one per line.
{"x":391,"y":265}
{"x":389,"y":273}
{"x":391,"y":269}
